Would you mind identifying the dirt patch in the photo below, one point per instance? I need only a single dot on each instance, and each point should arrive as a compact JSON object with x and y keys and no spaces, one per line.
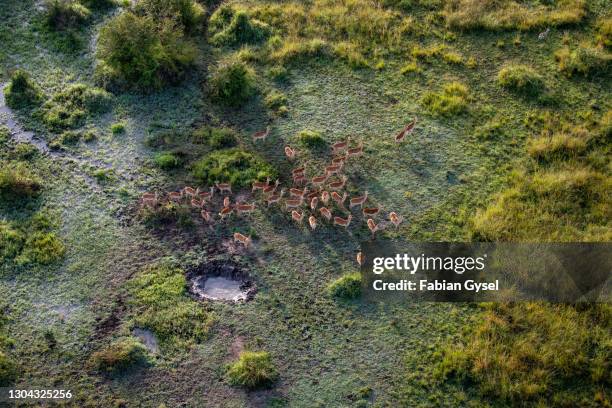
{"x":221,"y":281}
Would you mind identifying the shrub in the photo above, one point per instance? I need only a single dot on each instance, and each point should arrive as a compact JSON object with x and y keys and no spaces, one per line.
{"x":452,"y":57}
{"x":349,"y":52}
{"x":233,"y":82}
{"x":236,"y":166}
{"x":166,"y":161}
{"x":25,"y":151}
{"x":346,"y":287}
{"x":43,"y":248}
{"x":233,"y":28}
{"x":252,"y":370}
{"x":61,"y":14}
{"x":8,"y":370}
{"x":521,"y":79}
{"x":452,"y":100}
{"x":410,"y":68}
{"x":117,"y":128}
{"x":166,"y":214}
{"x":560,"y":146}
{"x":69,"y":108}
{"x":216,"y":138}
{"x":142,"y":52}
{"x":21,"y":91}
{"x":278,"y":73}
{"x":17,"y":182}
{"x":584,"y":60}
{"x":276,"y":101}
{"x":11,"y":241}
{"x":311,"y":138}
{"x":189,"y":13}
{"x":119,"y":356}
{"x":604,"y":32}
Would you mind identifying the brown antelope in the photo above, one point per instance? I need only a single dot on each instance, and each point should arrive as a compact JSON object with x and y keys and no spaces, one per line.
{"x":296,"y":216}
{"x":338,"y":185}
{"x":312,"y":195}
{"x":297,"y":171}
{"x":343,"y":222}
{"x":293,"y":203}
{"x":313,"y":203}
{"x":358,"y":201}
{"x":298,"y":193}
{"x":225,"y":211}
{"x":325,"y":213}
{"x":406,"y":131}
{"x":299,"y":180}
{"x":226,"y":201}
{"x":175,"y":196}
{"x":340,"y":146}
{"x":312,"y":221}
{"x":224,"y":187}
{"x":149,"y":199}
{"x":372,"y":226}
{"x":290,"y":153}
{"x":355,"y":151}
{"x":260,"y":185}
{"x":195,"y":203}
{"x":206,"y":216}
{"x":395,"y":219}
{"x":190,"y":192}
{"x":206,"y":195}
{"x":275,"y":198}
{"x":325,"y":197}
{"x":334,"y":169}
{"x":319,"y":181}
{"x":244,"y":208}
{"x":339,"y":160}
{"x":238,"y":237}
{"x":339,"y":199}
{"x":360,"y":258}
{"x":370,"y":211}
{"x":271,"y":189}
{"x":261,"y":135}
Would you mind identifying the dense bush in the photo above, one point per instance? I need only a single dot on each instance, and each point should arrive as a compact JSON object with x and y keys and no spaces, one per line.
{"x":69,"y":108}
{"x":276,"y":101}
{"x":17,"y":181}
{"x":346,"y":287}
{"x":167,"y":214}
{"x":61,"y":14}
{"x":143,"y":52}
{"x":604,"y":32}
{"x":8,"y":370}
{"x":453,"y":100}
{"x":229,"y":27}
{"x":167,"y":160}
{"x":42,"y":248}
{"x":189,"y":13}
{"x":232,"y":82}
{"x":584,"y":60}
{"x":216,"y":138}
{"x":521,"y":79}
{"x":21,"y":91}
{"x":236,"y":166}
{"x":11,"y":241}
{"x":311,"y":138}
{"x":252,"y":370}
{"x":119,"y":356}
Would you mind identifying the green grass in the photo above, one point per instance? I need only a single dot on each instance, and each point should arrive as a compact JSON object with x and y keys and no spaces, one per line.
{"x":69,"y":108}
{"x":521,"y":79}
{"x":21,"y":91}
{"x":346,"y":287}
{"x":167,"y":161}
{"x":17,"y":181}
{"x":119,"y":356}
{"x":232,"y":82}
{"x":252,"y":370}
{"x":236,"y":166}
{"x":311,"y":139}
{"x":453,"y":100}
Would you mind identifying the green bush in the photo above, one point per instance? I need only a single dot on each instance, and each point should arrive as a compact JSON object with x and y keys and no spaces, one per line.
{"x":98,"y":4}
{"x":167,"y":214}
{"x":25,"y":151}
{"x":311,"y":139}
{"x":236,"y":166}
{"x":166,"y":160}
{"x":604,"y":32}
{"x":11,"y":241}
{"x":232,"y":82}
{"x":21,"y":91}
{"x":117,"y":128}
{"x":119,"y":356}
{"x":216,"y":138}
{"x":60,"y":14}
{"x":521,"y":79}
{"x":453,"y":100}
{"x":233,"y":28}
{"x":43,"y":248}
{"x":346,"y":287}
{"x":8,"y":370}
{"x":252,"y":370}
{"x":143,"y":52}
{"x":69,"y":108}
{"x":17,"y":182}
{"x":189,"y":13}
{"x":584,"y":60}
{"x":276,"y":101}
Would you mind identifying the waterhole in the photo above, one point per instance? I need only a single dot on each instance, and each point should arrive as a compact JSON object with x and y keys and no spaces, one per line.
{"x":221,"y":281}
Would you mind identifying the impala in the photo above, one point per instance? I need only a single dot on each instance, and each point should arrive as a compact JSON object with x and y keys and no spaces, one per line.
{"x":340,"y":146}
{"x":260,"y":185}
{"x":226,"y":201}
{"x":195,"y":203}
{"x":313,"y":203}
{"x":297,"y":171}
{"x":343,"y":222}
{"x":289,"y":152}
{"x":339,"y":160}
{"x":206,"y":195}
{"x":338,"y":185}
{"x":296,"y":216}
{"x":293,"y":203}
{"x":271,"y":189}
{"x":225,"y":211}
{"x":325,"y":213}
{"x":339,"y":199}
{"x":372,"y":226}
{"x":261,"y":135}
{"x":325,"y":197}
{"x":224,"y":187}
{"x":190,"y":192}
{"x":149,"y":199}
{"x":319,"y":181}
{"x":355,"y":151}
{"x":358,"y":201}
{"x":206,"y":216}
{"x":298,"y":193}
{"x":360,"y":258}
{"x":244,"y":208}
{"x":175,"y":196}
{"x":238,"y":237}
{"x":334,"y":169}
{"x":312,"y":221}
{"x":275,"y":198}
{"x":395,"y":219}
{"x":313,"y":195}
{"x":370,"y":211}
{"x":299,"y":180}
{"x":406,"y":131}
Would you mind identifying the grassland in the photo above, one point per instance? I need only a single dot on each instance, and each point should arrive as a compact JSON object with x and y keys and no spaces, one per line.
{"x":498,"y":154}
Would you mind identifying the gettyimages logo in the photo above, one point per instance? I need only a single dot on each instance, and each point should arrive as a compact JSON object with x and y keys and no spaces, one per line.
{"x":414,"y":264}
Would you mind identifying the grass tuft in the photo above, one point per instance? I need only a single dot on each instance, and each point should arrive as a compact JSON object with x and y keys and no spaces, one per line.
{"x":22,"y":92}
{"x":346,"y":287}
{"x":236,"y":166}
{"x":453,"y":100}
{"x":521,"y":79}
{"x":119,"y":356}
{"x":232,"y":82}
{"x":252,"y":370}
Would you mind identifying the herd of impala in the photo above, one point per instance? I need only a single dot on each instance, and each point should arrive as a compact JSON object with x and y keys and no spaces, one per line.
{"x":316,"y":198}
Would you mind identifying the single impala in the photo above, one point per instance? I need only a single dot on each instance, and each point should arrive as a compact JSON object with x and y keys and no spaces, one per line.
{"x":175,"y":196}
{"x":297,"y":171}
{"x":271,"y":189}
{"x":299,"y":180}
{"x":225,"y":211}
{"x":334,"y":169}
{"x":312,"y":195}
{"x":313,"y":203}
{"x":370,"y":211}
{"x":260,"y":185}
{"x":244,"y":208}
{"x":226,"y":201}
{"x":395,"y":219}
{"x":206,"y":195}
{"x":338,"y":185}
{"x":325,"y":213}
{"x":339,"y":160}
{"x":325,"y":197}
{"x":244,"y":240}
{"x":372,"y":226}
{"x":319,"y":180}
{"x":312,"y":221}
{"x":275,"y":198}
{"x":261,"y":135}
{"x":190,"y":192}
{"x":205,"y":216}
{"x":343,"y":222}
{"x":296,"y":216}
{"x":360,"y":258}
{"x":224,"y":187}
{"x":298,"y":193}
{"x":290,"y":153}
{"x":340,"y":146}
{"x":355,"y":151}
{"x":338,"y":198}
{"x":358,"y":201}
{"x":195,"y":203}
{"x":149,"y":199}
{"x":293,"y":203}
{"x":406,"y":131}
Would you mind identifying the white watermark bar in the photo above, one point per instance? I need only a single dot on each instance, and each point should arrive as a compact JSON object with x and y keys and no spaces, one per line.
{"x":393,"y":270}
